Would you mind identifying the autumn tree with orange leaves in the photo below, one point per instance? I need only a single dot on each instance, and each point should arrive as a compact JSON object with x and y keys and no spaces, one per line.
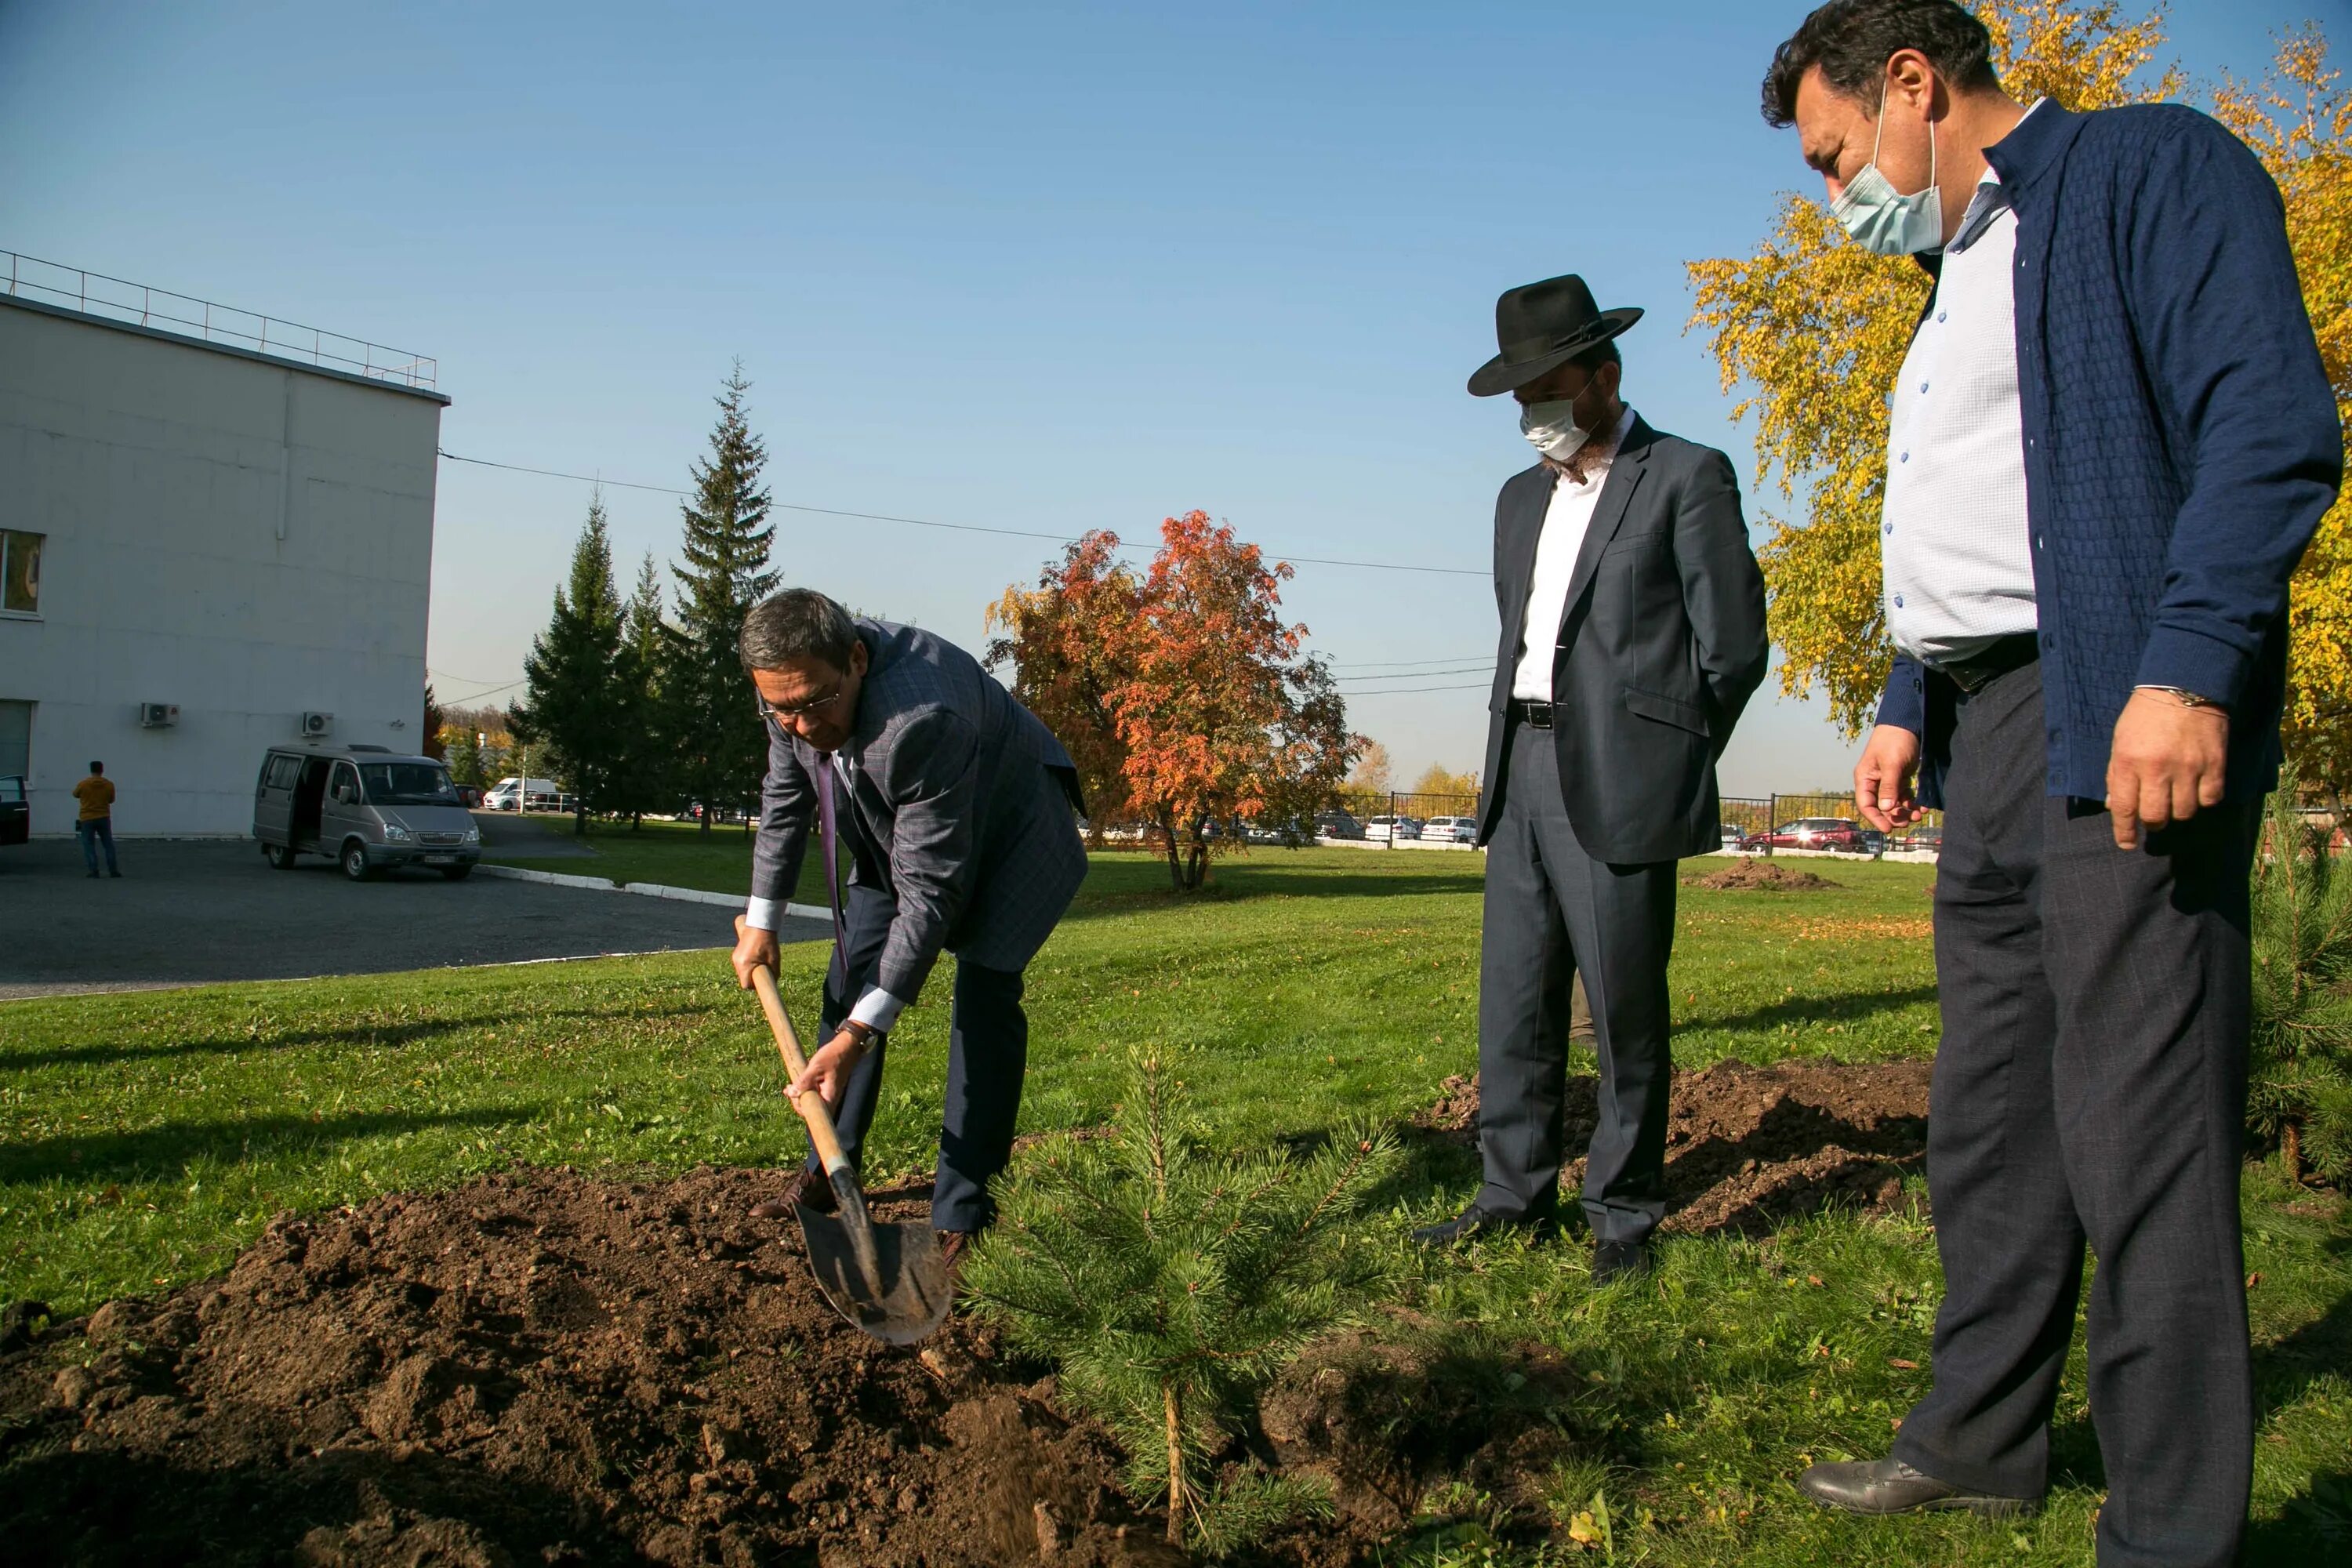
{"x":1182,"y":694}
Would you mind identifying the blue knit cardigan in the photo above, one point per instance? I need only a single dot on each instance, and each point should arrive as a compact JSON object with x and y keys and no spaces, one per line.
{"x":2181,"y":439}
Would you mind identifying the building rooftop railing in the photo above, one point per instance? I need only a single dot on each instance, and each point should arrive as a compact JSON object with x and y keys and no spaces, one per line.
{"x":95,"y":293}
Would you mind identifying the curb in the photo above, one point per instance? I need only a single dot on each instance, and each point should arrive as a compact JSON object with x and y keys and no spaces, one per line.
{"x":551,"y":879}
{"x":643,"y":889}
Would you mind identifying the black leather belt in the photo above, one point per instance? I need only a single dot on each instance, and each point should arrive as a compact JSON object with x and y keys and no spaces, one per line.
{"x":1978,"y":671}
{"x":1534,"y":715}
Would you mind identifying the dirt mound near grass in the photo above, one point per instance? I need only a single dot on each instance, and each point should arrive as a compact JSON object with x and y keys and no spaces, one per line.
{"x":1760,"y":875}
{"x":538,"y":1368}
{"x":1748,"y":1147}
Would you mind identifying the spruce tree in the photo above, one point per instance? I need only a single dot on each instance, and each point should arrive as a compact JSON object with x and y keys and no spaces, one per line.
{"x":1170,"y":1285}
{"x":719,"y":746}
{"x":643,"y":782}
{"x":2299,"y":1095}
{"x":573,"y":703}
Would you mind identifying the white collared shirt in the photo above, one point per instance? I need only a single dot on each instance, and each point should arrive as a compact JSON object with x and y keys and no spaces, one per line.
{"x":1955,"y":546}
{"x":1566,"y":520}
{"x":877,"y":1009}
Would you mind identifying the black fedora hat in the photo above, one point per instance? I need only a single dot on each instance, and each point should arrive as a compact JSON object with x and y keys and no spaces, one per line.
{"x":1541,"y":326}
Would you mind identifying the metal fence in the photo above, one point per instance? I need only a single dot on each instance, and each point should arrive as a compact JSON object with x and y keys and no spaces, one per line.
{"x":95,"y":293}
{"x":1763,"y":824}
{"x":1755,"y":824}
{"x":1366,"y":804}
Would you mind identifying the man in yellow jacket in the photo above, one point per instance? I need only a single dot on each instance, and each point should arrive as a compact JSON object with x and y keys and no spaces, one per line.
{"x":96,"y":826}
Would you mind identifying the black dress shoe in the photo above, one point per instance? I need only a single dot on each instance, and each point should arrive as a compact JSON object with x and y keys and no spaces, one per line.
{"x":1476,"y":1221}
{"x":1621,"y":1260}
{"x":1890,"y":1485}
{"x":810,"y":1188}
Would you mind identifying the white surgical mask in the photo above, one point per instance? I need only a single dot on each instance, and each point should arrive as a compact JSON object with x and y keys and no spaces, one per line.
{"x":1881,"y":218}
{"x":1551,"y":428}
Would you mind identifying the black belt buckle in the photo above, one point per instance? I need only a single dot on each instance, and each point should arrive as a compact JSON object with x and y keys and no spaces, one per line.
{"x":1535,"y":715}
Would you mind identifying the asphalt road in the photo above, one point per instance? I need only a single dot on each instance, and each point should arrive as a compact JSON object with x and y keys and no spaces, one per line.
{"x":194,"y":913}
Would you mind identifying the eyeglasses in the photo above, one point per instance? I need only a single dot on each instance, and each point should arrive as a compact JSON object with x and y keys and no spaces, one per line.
{"x":802,"y":709}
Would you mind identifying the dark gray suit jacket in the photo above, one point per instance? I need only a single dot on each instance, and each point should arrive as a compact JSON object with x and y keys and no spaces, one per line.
{"x":1660,"y":647}
{"x":965,"y":799}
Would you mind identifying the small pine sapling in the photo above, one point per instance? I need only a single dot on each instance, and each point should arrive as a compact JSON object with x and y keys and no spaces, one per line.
{"x":1170,"y":1285}
{"x":2299,"y":1094}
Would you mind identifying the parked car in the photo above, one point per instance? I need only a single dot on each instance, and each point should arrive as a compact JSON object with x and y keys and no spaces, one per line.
{"x":1338,"y":825}
{"x":366,"y":809}
{"x":16,"y":813}
{"x":1733,"y":838}
{"x":1289,"y":834}
{"x":1809,"y":833}
{"x":1391,"y":829}
{"x":509,"y":795}
{"x":469,"y":797}
{"x":1450,"y":830}
{"x":1924,"y":836}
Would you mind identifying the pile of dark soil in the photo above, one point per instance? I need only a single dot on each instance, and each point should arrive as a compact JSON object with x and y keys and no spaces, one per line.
{"x":538,"y":1368}
{"x":1760,"y":875}
{"x":1748,"y":1147}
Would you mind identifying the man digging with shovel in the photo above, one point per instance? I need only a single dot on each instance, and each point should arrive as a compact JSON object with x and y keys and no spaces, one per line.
{"x":956,"y":807}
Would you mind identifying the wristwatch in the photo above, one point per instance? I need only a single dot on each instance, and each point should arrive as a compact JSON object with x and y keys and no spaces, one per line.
{"x":2185,"y":698}
{"x":864,"y":1034}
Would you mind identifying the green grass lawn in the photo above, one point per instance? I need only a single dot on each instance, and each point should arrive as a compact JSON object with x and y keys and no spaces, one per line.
{"x":144,"y":1137}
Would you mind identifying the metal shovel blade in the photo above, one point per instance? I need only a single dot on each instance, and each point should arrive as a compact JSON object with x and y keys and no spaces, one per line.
{"x":914,"y":1295}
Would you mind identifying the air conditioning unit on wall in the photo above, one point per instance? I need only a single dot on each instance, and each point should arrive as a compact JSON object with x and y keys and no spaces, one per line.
{"x":157,"y":715}
{"x":317,"y":724}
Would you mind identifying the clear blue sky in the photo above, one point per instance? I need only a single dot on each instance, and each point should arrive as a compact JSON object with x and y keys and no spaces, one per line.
{"x":1036,"y":266}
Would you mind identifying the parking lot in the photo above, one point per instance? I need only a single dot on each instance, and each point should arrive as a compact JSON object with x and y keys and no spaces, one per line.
{"x":196,"y":913}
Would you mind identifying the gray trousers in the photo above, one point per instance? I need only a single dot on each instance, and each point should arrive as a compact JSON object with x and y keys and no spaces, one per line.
{"x":1554,"y":914}
{"x":2090,"y":1086}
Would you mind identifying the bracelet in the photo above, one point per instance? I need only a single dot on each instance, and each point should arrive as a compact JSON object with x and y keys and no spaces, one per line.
{"x":2185,"y":698}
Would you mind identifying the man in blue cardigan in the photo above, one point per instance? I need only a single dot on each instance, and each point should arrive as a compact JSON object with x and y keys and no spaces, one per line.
{"x":2111,"y":440}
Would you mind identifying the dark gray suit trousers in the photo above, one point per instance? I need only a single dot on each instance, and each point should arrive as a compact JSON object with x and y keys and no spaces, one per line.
{"x":1553,"y":913}
{"x":2090,"y":1086}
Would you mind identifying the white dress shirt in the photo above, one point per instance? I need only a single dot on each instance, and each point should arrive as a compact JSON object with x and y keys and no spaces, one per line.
{"x":1565,"y":519}
{"x":877,"y":1009}
{"x":1954,"y":545}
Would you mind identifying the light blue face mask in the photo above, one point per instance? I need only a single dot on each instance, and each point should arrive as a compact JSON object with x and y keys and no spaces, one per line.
{"x":1882,"y":219}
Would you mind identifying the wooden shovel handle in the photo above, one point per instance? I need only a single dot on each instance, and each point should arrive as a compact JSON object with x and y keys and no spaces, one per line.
{"x":810,"y":1105}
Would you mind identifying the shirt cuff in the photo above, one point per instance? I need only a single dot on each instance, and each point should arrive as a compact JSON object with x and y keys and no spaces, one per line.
{"x":878,"y":1011}
{"x":761,"y":913}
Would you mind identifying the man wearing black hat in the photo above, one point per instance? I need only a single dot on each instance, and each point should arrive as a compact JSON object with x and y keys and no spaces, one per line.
{"x":1632,"y":634}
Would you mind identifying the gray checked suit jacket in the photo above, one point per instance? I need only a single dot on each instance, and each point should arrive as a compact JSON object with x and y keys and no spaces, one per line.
{"x":964,"y":798}
{"x":1662,"y":643}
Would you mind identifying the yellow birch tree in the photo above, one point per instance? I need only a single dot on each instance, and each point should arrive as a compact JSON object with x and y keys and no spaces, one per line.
{"x":1812,"y":329}
{"x":2299,"y":123}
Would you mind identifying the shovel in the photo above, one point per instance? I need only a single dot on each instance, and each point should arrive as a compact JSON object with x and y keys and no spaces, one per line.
{"x":887,"y":1280}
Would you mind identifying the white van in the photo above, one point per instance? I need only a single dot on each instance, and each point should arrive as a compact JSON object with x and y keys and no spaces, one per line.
{"x":367,"y":807}
{"x":508,"y":794}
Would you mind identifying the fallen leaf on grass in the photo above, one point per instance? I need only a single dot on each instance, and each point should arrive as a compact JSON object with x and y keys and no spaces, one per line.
{"x":2253,"y":1279}
{"x":1814,"y":1280}
{"x":1906,"y":1365}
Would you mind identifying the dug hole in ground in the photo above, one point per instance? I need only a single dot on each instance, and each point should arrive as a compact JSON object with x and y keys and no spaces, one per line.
{"x":546,"y":1368}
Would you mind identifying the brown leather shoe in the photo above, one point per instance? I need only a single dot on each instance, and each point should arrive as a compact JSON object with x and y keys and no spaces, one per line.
{"x":807,"y":1186}
{"x":953,"y":1244}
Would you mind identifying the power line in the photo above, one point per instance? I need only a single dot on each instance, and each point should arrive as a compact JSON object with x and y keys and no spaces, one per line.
{"x":1413,"y":674}
{"x":1409,"y":690}
{"x":952,"y":527}
{"x":1400,"y":665}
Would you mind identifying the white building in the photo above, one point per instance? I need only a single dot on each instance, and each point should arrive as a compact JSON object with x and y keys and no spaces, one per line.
{"x":205,"y":542}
